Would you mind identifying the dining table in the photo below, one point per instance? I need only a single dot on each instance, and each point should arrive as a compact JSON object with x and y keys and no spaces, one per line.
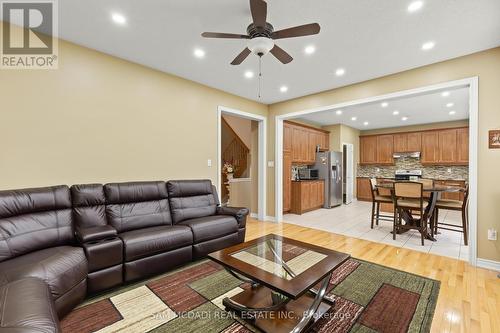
{"x":434,"y":191}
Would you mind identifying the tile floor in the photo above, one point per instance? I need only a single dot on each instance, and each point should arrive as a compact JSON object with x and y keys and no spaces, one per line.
{"x":354,"y":220}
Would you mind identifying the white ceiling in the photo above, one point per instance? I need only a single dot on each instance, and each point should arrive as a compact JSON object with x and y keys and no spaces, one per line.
{"x":368,"y":38}
{"x":421,"y":109}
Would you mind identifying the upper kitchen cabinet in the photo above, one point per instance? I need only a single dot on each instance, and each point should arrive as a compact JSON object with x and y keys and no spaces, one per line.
{"x":407,"y":142}
{"x":414,"y":142}
{"x":430,"y":147}
{"x":463,"y":145}
{"x":446,"y":147}
{"x":302,"y":140}
{"x":385,"y":149}
{"x":368,"y":149}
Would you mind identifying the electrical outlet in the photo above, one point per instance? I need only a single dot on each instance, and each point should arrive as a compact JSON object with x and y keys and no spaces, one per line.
{"x":449,"y":170}
{"x":270,"y":164}
{"x":492,"y":234}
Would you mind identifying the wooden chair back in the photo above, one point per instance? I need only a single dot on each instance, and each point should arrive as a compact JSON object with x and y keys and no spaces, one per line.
{"x":409,"y":190}
{"x":373,"y":186}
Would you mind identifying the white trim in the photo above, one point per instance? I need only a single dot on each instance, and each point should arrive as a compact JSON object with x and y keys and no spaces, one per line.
{"x":262,"y":154}
{"x":471,"y":82}
{"x":270,"y":219}
{"x":488,"y":264}
{"x":254,"y":215}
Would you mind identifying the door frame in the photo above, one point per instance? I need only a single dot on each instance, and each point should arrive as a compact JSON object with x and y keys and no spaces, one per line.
{"x":262,"y":133}
{"x":353,"y":165}
{"x":472,"y":83}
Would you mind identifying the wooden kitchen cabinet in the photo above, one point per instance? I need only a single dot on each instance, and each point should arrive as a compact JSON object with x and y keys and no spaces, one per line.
{"x":414,"y":142}
{"x":448,"y":146}
{"x":368,"y":149}
{"x":407,"y":142}
{"x":307,"y":195}
{"x":430,"y":147}
{"x":452,"y":195}
{"x":363,"y":189}
{"x":400,"y":143}
{"x":302,"y":141}
{"x":287,"y":181}
{"x":287,"y":137}
{"x":385,"y":149}
{"x":463,"y":145}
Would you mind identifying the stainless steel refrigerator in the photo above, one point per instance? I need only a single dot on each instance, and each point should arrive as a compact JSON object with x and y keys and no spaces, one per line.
{"x":329,"y":165}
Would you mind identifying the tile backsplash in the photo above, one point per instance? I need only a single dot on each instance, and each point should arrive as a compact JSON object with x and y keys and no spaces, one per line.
{"x":409,"y":163}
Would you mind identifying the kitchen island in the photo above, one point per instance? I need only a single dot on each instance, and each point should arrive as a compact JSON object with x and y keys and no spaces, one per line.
{"x":307,"y":195}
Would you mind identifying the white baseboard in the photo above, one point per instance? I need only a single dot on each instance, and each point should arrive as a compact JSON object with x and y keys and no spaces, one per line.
{"x":488,"y":264}
{"x":267,"y":218}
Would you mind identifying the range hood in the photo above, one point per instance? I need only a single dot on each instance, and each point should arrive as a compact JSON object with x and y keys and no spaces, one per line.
{"x":414,"y":154}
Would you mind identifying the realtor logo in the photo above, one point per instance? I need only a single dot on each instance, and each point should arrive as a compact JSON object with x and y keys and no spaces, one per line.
{"x":27,"y":36}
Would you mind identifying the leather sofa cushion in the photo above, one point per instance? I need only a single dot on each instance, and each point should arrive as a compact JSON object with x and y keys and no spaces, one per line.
{"x":88,"y":205}
{"x":191,"y":199}
{"x":62,"y":268}
{"x":210,"y":227}
{"x":150,"y":241}
{"x":137,"y":205}
{"x":26,"y":306}
{"x":34,"y":219}
{"x":95,"y":233}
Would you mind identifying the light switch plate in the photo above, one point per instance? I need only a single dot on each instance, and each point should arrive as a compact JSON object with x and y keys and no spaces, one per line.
{"x":492,"y":234}
{"x":270,"y":164}
{"x":209,"y":163}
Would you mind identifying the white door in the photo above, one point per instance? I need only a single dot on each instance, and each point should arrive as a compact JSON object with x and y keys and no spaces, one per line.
{"x":349,"y":173}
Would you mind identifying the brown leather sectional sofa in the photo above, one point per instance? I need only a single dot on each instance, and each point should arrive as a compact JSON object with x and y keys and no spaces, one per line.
{"x":59,"y":244}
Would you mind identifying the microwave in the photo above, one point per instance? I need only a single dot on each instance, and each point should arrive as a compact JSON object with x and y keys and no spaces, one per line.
{"x":308,"y":173}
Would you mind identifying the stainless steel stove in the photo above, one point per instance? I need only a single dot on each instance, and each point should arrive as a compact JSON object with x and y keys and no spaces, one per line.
{"x":408,"y":174}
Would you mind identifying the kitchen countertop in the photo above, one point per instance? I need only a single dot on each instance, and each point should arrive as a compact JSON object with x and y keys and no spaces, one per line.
{"x":441,"y":178}
{"x":308,"y":180}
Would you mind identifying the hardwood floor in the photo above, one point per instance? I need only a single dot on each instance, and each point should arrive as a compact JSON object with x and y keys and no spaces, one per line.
{"x":469,"y":298}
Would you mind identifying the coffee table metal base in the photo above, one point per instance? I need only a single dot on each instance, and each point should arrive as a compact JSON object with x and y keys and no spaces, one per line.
{"x":287,"y":315}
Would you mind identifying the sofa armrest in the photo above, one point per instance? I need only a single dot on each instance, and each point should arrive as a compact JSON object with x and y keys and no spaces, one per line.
{"x":85,"y":235}
{"x":239,"y":213}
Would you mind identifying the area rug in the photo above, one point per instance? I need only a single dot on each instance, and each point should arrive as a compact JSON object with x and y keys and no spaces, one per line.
{"x":368,"y":298}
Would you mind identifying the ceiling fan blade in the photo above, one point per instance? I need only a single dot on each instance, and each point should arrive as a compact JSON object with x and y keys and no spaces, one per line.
{"x":259,"y":12}
{"x":241,"y":57}
{"x":281,"y":54}
{"x":299,"y":31}
{"x":223,"y":35}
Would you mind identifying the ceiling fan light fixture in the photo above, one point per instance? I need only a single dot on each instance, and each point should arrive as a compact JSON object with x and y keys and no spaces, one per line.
{"x":260,"y":45}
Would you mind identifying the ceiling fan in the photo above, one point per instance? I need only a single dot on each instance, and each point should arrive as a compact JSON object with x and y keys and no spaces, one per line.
{"x":261,"y":35}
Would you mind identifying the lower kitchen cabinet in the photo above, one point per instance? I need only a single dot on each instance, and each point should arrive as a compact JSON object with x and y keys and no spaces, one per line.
{"x":307,"y":195}
{"x":363,"y":189}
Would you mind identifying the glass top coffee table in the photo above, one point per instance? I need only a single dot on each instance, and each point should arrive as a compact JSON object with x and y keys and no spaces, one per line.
{"x":288,"y":278}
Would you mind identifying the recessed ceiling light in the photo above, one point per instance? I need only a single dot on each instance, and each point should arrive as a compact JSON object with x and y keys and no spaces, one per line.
{"x":338,"y":112}
{"x":395,"y":113}
{"x":340,"y":72}
{"x":384,"y":104}
{"x":445,"y":94}
{"x":414,"y":6}
{"x":452,"y":113}
{"x":449,"y":105}
{"x":366,"y":123}
{"x":354,"y":118}
{"x":249,"y":74}
{"x":283,"y":89}
{"x":310,"y":49}
{"x":199,"y":53}
{"x":118,"y":18}
{"x":428,"y":46}
{"x":404,"y":118}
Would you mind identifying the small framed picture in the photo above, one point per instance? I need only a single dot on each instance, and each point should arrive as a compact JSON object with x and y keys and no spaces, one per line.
{"x":494,"y":139}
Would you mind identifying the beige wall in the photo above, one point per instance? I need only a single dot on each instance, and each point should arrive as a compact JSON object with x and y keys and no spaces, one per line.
{"x":423,"y":127}
{"x":101,"y":119}
{"x":485,"y":65}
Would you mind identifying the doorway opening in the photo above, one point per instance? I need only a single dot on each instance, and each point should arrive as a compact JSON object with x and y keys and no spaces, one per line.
{"x":452,"y":107}
{"x":241,"y":160}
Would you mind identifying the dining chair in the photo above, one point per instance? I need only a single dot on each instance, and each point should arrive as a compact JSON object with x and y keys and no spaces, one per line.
{"x":378,"y":199}
{"x":408,"y":197}
{"x":456,"y":205}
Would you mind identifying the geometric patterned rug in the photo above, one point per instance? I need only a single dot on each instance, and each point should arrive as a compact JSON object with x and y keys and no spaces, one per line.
{"x":368,"y":298}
